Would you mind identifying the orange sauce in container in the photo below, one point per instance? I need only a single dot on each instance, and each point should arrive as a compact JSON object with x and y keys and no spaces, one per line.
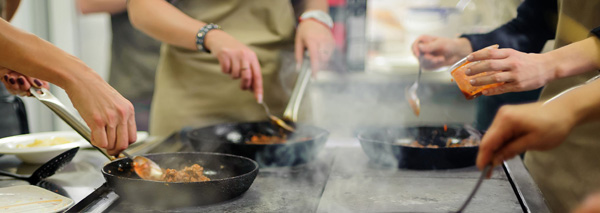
{"x":462,"y":80}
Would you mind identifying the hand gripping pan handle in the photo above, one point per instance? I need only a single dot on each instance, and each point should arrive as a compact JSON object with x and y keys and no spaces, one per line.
{"x":57,"y":107}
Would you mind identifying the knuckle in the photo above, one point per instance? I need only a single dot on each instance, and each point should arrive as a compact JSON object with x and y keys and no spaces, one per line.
{"x":98,"y":120}
{"x":497,"y":78}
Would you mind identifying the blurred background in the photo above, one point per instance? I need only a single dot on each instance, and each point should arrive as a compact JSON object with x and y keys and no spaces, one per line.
{"x":363,"y":85}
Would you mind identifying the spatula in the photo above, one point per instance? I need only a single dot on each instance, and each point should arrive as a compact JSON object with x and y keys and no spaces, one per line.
{"x":47,"y":169}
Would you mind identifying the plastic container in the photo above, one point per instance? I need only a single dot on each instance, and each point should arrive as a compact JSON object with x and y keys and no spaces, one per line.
{"x":462,"y":80}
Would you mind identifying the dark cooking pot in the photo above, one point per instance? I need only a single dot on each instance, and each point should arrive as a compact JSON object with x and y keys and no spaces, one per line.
{"x":230,"y":177}
{"x":388,"y":146}
{"x":302,"y":146}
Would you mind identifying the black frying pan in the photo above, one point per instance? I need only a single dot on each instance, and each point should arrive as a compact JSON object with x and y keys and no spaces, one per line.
{"x":302,"y":146}
{"x":387,"y":146}
{"x":230,"y":177}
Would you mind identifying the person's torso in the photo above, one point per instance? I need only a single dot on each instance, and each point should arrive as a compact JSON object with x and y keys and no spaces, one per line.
{"x":134,"y":59}
{"x":569,"y":172}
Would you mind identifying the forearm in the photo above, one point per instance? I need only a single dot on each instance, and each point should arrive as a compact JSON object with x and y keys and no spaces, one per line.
{"x":582,"y":103}
{"x":164,"y":22}
{"x":27,"y":54}
{"x":573,"y":59}
{"x":101,"y":6}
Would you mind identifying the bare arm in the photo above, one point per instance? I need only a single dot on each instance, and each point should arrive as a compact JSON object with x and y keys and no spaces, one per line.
{"x":523,"y":72}
{"x":164,"y":22}
{"x":106,"y":112}
{"x":100,"y":6}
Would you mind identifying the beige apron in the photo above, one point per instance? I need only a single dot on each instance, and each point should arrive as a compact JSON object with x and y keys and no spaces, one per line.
{"x":568,"y":173}
{"x":190,"y":88}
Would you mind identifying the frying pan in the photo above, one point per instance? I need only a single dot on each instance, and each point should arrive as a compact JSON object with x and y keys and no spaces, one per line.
{"x":302,"y":146}
{"x":230,"y":175}
{"x":385,"y":146}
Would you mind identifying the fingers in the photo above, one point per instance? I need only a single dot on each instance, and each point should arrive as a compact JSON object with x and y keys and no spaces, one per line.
{"x":111,"y":135}
{"x":421,"y":39}
{"x":499,"y":77}
{"x":132,"y":129}
{"x":225,"y":63}
{"x":99,"y":133}
{"x":246,"y":73}
{"x":487,"y":66}
{"x":514,"y":148}
{"x":257,"y":83}
{"x":490,"y":52}
{"x":235,"y":68}
{"x":314,"y":58}
{"x":122,"y":138}
{"x":497,"y":135}
{"x":23,"y":86}
{"x":299,"y":52}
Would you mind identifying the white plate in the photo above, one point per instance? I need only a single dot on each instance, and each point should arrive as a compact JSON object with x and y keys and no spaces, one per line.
{"x":38,"y":155}
{"x":28,"y":198}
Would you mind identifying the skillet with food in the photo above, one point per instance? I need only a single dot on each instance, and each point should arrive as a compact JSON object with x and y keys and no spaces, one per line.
{"x":229,"y":176}
{"x":421,"y":147}
{"x":209,"y":177}
{"x":263,"y":142}
{"x":269,"y":143}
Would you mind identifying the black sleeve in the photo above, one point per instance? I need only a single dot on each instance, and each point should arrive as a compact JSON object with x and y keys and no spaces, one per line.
{"x":596,"y":32}
{"x":528,"y":32}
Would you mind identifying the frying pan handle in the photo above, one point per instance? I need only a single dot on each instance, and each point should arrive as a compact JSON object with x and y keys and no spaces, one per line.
{"x":291,"y":111}
{"x":44,"y":96}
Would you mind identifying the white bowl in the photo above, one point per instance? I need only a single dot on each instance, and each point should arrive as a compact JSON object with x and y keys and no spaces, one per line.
{"x":38,"y":155}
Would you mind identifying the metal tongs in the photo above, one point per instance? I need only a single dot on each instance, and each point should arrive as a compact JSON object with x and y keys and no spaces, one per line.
{"x":144,"y":167}
{"x":291,"y":110}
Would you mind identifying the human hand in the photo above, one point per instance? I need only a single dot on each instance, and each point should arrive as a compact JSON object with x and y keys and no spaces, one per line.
{"x":590,"y":205}
{"x":19,"y":84}
{"x":519,"y":71}
{"x":439,"y":51}
{"x":517,"y":128}
{"x":237,"y":60}
{"x":108,"y":114}
{"x":317,"y":38}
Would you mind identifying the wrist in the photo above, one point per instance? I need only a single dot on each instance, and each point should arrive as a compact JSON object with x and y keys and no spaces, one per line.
{"x":317,"y":16}
{"x":553,"y":66}
{"x":464,"y":47}
{"x":201,"y":43}
{"x":211,"y":38}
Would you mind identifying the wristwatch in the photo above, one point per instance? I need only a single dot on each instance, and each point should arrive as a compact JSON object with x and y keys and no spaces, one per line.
{"x":319,"y":16}
{"x":202,"y":33}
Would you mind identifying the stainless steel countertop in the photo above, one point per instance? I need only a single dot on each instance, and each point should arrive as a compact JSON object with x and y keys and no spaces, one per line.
{"x":341,"y":179}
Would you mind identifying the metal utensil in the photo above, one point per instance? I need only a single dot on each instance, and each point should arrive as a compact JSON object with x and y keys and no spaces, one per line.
{"x":485,"y":171}
{"x":411,"y":93}
{"x":291,"y":110}
{"x":47,"y":169}
{"x":277,"y":120}
{"x":144,"y":167}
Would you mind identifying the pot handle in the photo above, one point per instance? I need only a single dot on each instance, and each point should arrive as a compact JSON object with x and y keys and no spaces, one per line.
{"x":44,"y":96}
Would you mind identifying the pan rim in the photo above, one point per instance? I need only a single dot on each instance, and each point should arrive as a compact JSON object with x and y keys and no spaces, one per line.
{"x":254,"y":170}
{"x":360,"y":136}
{"x":323,"y":133}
